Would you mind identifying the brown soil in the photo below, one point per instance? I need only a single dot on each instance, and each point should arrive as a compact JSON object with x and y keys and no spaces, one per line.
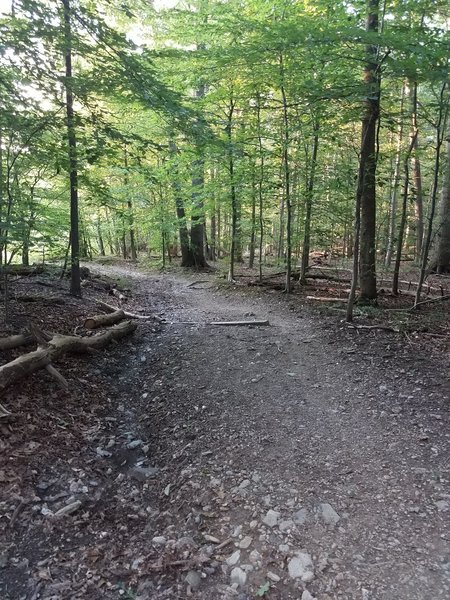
{"x":216,"y":462}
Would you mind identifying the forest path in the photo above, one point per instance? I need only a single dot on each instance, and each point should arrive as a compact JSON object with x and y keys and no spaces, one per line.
{"x":321,"y":454}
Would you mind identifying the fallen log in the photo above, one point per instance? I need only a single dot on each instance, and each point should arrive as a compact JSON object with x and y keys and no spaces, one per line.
{"x":104,"y":320}
{"x":57,"y":347}
{"x":14,"y":341}
{"x":129,"y":315}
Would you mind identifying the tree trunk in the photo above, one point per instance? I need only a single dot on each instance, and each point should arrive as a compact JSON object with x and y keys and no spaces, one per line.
{"x":251,"y":260}
{"x":401,"y":230}
{"x":440,"y":263}
{"x":287,"y":182}
{"x":75,"y":279}
{"x":233,"y":198}
{"x":130,"y":216}
{"x":198,"y":217}
{"x":417,"y":173}
{"x":368,"y":160}
{"x":101,"y":244}
{"x":443,"y":110}
{"x":309,"y":201}
{"x":395,"y":186}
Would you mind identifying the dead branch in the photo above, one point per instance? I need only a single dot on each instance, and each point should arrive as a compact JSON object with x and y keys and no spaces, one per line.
{"x":57,"y":347}
{"x":117,"y":294}
{"x":129,"y":315}
{"x":429,"y":301}
{"x":104,"y":320}
{"x":382,"y":327}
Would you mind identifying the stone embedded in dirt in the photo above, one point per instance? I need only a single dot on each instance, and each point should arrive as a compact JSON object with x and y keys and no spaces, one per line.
{"x":103,"y":453}
{"x":255,"y":558}
{"x":285,"y":525}
{"x":245,"y":542}
{"x":328,"y":514}
{"x":134,"y":444}
{"x":301,"y":567}
{"x":193,"y":579}
{"x":233,"y":559}
{"x":244,"y":484}
{"x":238,"y":576}
{"x":300,"y":516}
{"x":68,"y":509}
{"x":273,"y":576}
{"x":159,"y":540}
{"x":143,"y":473}
{"x":442,"y":505}
{"x":271,"y":518}
{"x":307,"y":596}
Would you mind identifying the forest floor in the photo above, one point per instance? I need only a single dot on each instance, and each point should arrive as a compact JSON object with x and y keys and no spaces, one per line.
{"x":304,"y":459}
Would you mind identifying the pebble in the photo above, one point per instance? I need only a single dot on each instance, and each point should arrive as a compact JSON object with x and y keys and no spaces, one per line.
{"x":328,"y":514}
{"x":238,"y":576}
{"x":271,"y":518}
{"x":244,"y":484}
{"x":273,"y":576}
{"x":307,"y":596}
{"x":68,"y":509}
{"x":301,"y":567}
{"x":159,"y":540}
{"x":143,"y":473}
{"x":233,"y":558}
{"x":285,"y":525}
{"x":245,"y":542}
{"x":193,"y":579}
{"x":300,"y":516}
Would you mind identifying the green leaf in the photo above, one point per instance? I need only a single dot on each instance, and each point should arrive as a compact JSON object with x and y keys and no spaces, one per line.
{"x":263,"y":589}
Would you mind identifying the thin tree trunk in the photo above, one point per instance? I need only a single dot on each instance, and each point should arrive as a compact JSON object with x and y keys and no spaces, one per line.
{"x":100,"y":238}
{"x":417,"y":173}
{"x":260,"y":189}
{"x":395,"y":186}
{"x":187,"y":260}
{"x":401,"y":230}
{"x":130,"y":216}
{"x":233,"y":198}
{"x":198,"y":217}
{"x":251,"y":260}
{"x":287,"y":182}
{"x":309,"y":202}
{"x":75,"y":280}
{"x":368,"y":282}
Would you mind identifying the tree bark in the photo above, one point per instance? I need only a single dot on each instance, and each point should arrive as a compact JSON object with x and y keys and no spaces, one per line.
{"x":75,"y":279}
{"x":368,"y":160}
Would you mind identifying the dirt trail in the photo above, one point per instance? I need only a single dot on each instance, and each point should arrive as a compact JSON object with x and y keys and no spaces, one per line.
{"x":346,"y":445}
{"x":294,"y":461}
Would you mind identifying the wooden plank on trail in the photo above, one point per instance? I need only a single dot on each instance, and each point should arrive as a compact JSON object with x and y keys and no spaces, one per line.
{"x":240,"y":323}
